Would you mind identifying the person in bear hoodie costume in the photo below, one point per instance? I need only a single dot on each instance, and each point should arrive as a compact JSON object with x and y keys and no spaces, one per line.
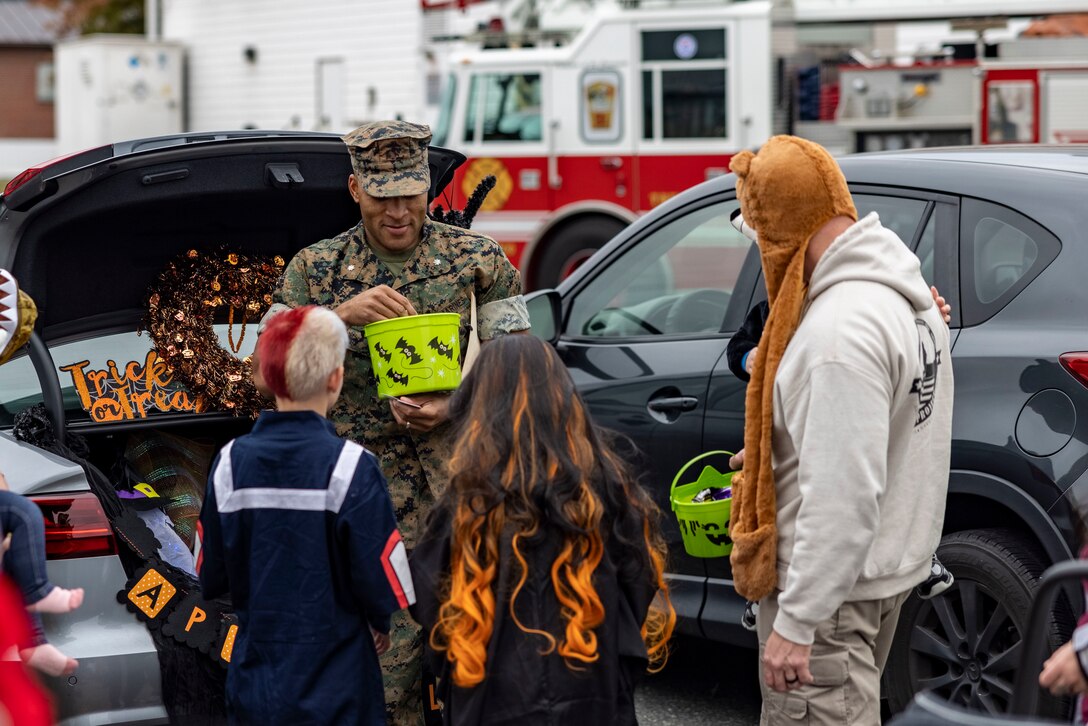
{"x":839,"y":506}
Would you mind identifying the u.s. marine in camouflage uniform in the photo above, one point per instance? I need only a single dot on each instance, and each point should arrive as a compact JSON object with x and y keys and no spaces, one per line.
{"x":396,"y":262}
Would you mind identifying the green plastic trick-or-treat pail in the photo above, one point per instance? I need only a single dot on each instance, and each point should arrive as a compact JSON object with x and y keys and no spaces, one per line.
{"x":415,"y":354}
{"x":704,"y":526}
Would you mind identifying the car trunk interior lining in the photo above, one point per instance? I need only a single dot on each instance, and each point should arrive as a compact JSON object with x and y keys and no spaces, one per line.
{"x":102,"y":249}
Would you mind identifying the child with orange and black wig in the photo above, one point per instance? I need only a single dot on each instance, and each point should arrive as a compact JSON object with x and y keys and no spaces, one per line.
{"x":539,"y":578}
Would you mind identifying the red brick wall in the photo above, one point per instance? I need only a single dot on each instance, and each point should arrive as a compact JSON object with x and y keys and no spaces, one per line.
{"x":21,"y":114}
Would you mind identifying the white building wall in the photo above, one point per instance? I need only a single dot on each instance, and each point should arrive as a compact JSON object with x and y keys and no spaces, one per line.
{"x":378,"y":42}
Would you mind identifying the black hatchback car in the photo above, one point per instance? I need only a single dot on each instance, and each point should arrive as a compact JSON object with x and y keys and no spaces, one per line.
{"x":1003,"y":233}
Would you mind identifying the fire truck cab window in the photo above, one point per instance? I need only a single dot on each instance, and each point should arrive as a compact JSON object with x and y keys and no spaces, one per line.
{"x":504,"y":107}
{"x":685,"y":84}
{"x":677,"y":280}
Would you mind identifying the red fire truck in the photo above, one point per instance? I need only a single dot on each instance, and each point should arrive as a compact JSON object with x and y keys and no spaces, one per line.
{"x":582,"y":138}
{"x":1035,"y":91}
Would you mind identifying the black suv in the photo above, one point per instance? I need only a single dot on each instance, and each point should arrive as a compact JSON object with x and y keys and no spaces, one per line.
{"x":1003,"y":233}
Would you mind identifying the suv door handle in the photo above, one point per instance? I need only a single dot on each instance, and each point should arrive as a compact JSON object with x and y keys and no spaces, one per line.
{"x":673,"y":404}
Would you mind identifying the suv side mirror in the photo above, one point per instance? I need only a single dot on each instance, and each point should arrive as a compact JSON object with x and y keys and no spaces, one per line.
{"x":544,"y":314}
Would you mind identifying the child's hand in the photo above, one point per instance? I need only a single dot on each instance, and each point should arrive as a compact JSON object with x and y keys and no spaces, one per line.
{"x":942,"y":306}
{"x":381,"y":641}
{"x":3,"y":483}
{"x":736,"y":461}
{"x":750,"y":361}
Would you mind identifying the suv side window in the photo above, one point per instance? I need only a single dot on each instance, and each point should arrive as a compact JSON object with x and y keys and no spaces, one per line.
{"x":927,"y":249}
{"x":901,"y":215}
{"x":1001,"y":252}
{"x":678,"y":280}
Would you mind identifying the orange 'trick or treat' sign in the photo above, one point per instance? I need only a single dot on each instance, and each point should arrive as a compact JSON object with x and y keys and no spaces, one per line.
{"x":151,"y":593}
{"x":228,"y":643}
{"x":121,"y":393}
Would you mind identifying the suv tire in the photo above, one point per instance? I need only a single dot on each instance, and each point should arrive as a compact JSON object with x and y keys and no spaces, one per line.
{"x":972,"y":660}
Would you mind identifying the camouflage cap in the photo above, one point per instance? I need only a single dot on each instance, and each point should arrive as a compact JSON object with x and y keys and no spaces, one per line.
{"x":390,"y":158}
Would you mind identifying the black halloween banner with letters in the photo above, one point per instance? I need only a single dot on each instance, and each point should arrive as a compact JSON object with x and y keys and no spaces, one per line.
{"x":168,"y":602}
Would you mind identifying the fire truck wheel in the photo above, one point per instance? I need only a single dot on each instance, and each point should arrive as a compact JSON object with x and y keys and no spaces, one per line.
{"x":568,"y":246}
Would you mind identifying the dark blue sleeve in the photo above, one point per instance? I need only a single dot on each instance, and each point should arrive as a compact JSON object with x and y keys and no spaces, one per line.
{"x":742,"y":342}
{"x":377,"y":560}
{"x":211,"y":564}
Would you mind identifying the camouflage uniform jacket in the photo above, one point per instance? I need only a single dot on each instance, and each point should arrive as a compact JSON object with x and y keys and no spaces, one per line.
{"x":448,"y":264}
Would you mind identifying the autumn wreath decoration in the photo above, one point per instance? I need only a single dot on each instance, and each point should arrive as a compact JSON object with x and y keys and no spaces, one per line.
{"x":182,"y":309}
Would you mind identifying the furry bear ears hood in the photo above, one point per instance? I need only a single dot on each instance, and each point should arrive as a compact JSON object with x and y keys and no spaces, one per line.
{"x":789,"y":189}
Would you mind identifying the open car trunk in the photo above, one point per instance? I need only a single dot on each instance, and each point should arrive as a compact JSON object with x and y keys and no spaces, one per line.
{"x":92,"y":247}
{"x":89,"y":252}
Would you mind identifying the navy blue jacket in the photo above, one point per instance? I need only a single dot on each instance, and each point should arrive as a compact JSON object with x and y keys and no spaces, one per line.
{"x":298,"y":526}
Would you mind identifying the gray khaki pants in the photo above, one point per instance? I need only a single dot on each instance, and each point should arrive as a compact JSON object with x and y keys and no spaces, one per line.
{"x":848,"y":656}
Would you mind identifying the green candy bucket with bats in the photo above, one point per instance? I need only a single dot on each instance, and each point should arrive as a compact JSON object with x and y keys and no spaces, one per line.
{"x":415,"y":354}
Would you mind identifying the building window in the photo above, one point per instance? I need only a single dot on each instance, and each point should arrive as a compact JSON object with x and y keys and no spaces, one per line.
{"x":45,"y":82}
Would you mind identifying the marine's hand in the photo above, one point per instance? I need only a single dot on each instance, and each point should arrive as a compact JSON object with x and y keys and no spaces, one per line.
{"x":736,"y":461}
{"x":944,"y":307}
{"x":433,"y":411}
{"x":381,"y":641}
{"x":785,"y":663}
{"x":1061,"y":674}
{"x":377,"y":303}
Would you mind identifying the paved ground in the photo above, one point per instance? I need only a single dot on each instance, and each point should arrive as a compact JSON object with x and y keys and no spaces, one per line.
{"x":703,"y":683}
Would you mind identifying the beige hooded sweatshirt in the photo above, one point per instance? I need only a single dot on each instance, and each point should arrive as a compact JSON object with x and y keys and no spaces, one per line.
{"x":862,"y":432}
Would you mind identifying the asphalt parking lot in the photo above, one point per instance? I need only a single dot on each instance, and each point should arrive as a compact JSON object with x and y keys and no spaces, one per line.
{"x":703,"y":683}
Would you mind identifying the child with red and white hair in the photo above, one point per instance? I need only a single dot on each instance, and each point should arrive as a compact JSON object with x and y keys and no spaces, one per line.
{"x":298,"y":526}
